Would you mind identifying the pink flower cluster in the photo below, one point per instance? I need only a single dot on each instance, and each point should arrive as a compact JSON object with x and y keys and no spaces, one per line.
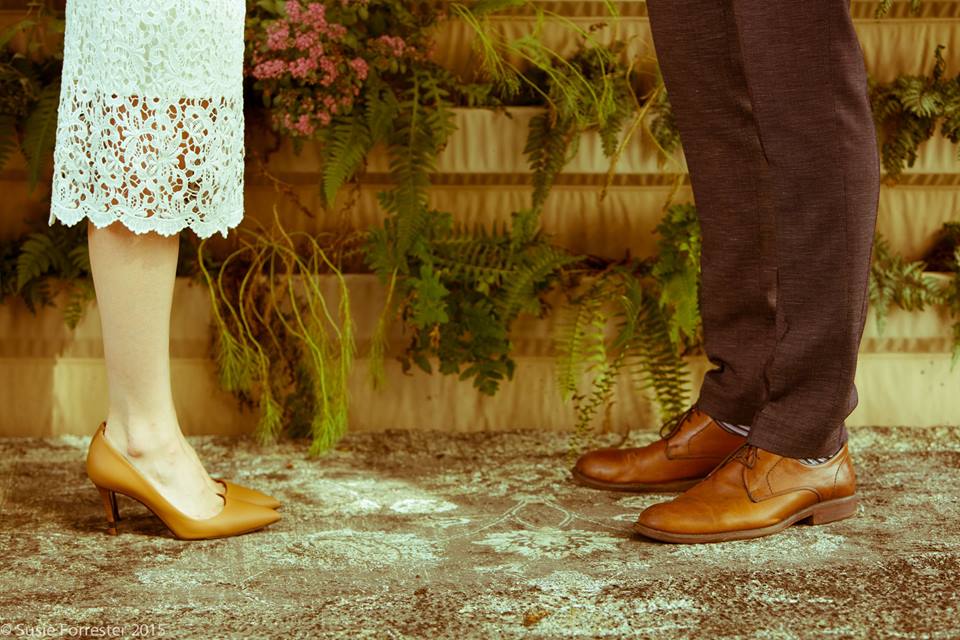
{"x":306,"y":63}
{"x":395,"y":44}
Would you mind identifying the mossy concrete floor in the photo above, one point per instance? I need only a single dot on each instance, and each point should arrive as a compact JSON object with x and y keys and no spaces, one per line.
{"x":427,"y":535}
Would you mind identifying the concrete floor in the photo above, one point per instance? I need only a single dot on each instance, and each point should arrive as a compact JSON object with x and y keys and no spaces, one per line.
{"x":427,"y":535}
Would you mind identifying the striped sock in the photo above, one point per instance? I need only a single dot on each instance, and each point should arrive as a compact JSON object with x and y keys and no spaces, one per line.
{"x":738,"y":429}
{"x":744,"y":430}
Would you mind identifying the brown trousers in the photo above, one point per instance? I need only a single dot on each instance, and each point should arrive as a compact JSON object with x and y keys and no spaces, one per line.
{"x":770,"y":98}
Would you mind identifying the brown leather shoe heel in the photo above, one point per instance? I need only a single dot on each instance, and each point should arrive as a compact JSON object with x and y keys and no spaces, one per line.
{"x":681,"y":458}
{"x":755,"y":493}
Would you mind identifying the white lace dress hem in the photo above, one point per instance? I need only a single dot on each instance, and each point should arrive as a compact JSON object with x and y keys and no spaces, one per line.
{"x":162,"y":226}
{"x":150,"y":120}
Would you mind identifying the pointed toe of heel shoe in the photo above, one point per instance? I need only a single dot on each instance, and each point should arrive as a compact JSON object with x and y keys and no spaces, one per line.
{"x":247,"y":494}
{"x":112,"y":473}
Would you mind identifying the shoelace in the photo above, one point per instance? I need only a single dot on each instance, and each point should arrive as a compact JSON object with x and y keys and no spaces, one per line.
{"x":746,"y":454}
{"x":670,"y":427}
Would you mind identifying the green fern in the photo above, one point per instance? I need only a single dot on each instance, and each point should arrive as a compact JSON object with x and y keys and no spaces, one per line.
{"x":908,"y":109}
{"x":38,"y":255}
{"x":550,"y":146}
{"x":571,"y":340}
{"x":897,"y":282}
{"x":677,"y":270}
{"x":641,"y":347}
{"x":428,"y":307}
{"x":424,"y":123}
{"x":944,"y":256}
{"x":349,"y":139}
{"x":8,"y":138}
{"x":524,"y":228}
{"x":475,"y":258}
{"x":663,"y":125}
{"x":347,"y":142}
{"x":590,"y":91}
{"x":539,"y":263}
{"x":80,"y":294}
{"x":605,"y":373}
{"x":57,"y":255}
{"x":39,"y":133}
{"x":656,"y":365}
{"x":580,"y":352}
{"x":59,"y":251}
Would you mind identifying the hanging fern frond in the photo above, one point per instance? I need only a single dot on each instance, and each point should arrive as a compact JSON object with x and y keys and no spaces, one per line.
{"x":908,"y":109}
{"x":640,"y":347}
{"x":39,"y":132}
{"x":80,"y":294}
{"x":381,"y":108}
{"x":677,"y":271}
{"x":951,"y":295}
{"x":550,"y":146}
{"x":8,"y":138}
{"x":663,"y":125}
{"x":540,"y":262}
{"x":476,"y":257}
{"x":572,"y":337}
{"x":38,"y":254}
{"x":654,"y":362}
{"x":347,"y":143}
{"x":425,"y":124}
{"x":895,"y":281}
{"x":606,"y":370}
{"x":79,"y":257}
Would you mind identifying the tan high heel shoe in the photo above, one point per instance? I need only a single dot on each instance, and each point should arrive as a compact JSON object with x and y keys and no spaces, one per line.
{"x":112,"y":473}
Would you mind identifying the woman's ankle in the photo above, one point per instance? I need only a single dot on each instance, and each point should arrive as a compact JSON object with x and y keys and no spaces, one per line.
{"x":144,"y":438}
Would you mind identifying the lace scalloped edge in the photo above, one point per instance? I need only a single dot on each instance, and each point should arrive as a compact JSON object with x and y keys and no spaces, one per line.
{"x":162,"y":226}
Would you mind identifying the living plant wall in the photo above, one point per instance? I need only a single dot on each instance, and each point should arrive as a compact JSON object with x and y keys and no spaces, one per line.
{"x":353,"y":77}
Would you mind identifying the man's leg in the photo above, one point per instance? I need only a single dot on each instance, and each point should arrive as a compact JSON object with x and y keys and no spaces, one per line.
{"x":818,"y":181}
{"x":820,"y":173}
{"x":700,"y":59}
{"x":700,"y":62}
{"x":780,"y":142}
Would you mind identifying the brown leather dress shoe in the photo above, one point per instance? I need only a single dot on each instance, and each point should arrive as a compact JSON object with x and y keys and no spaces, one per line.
{"x":684,"y":455}
{"x":755,"y":493}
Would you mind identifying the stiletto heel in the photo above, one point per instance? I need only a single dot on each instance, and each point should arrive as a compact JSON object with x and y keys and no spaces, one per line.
{"x":112,"y":473}
{"x":110,"y":506}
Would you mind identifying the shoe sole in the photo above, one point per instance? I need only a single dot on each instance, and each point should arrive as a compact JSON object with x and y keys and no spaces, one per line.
{"x":587,"y":481}
{"x":821,"y":513}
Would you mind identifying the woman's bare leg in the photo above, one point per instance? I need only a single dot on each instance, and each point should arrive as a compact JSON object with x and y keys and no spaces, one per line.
{"x":133,"y":275}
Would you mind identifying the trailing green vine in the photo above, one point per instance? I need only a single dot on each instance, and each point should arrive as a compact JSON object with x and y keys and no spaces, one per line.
{"x":278,"y":343}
